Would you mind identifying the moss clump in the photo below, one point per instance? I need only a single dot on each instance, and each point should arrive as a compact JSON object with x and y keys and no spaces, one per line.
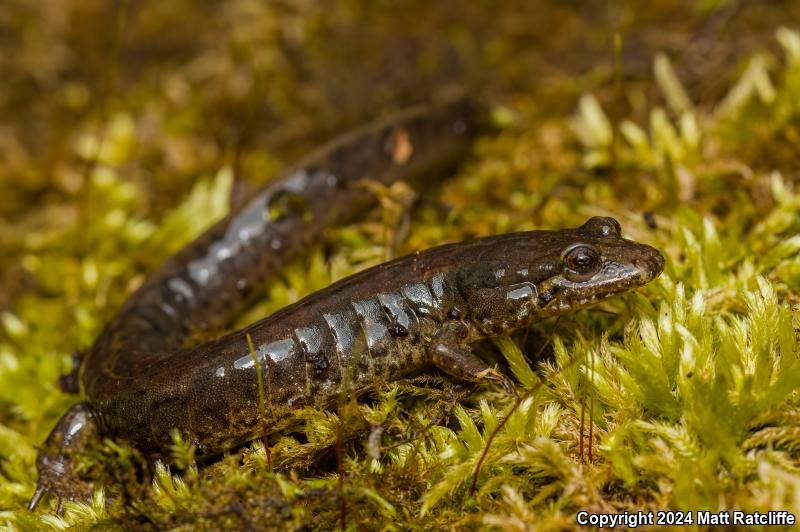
{"x":689,"y":387}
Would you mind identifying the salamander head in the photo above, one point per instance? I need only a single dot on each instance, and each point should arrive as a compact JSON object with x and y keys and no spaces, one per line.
{"x":594,"y":264}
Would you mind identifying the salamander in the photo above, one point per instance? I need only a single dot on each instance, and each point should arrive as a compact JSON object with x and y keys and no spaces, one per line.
{"x":140,"y":382}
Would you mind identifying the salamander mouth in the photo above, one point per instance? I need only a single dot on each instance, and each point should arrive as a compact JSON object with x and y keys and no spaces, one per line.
{"x":567,"y":305}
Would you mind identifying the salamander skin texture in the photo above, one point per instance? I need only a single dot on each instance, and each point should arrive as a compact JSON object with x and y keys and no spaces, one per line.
{"x":378,"y":325}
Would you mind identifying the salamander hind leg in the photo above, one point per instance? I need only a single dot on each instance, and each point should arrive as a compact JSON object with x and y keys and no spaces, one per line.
{"x":56,"y":461}
{"x":457,"y":359}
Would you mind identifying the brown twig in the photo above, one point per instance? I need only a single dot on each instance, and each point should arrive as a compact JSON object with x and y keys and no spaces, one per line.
{"x":581,"y":430}
{"x":340,"y":473}
{"x":433,"y":422}
{"x":502,"y":423}
{"x":591,"y":407}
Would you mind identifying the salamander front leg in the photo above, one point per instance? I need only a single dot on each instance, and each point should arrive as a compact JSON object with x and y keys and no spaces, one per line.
{"x":458,"y":360}
{"x":56,"y":461}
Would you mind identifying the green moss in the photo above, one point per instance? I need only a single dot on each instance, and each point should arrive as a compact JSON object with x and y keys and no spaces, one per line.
{"x":689,"y":386}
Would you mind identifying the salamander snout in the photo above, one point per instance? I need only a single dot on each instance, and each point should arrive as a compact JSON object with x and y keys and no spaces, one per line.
{"x":596,"y":263}
{"x":650,"y":264}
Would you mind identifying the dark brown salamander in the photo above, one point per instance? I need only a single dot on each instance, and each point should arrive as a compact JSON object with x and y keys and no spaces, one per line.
{"x":210,"y":280}
{"x":377,"y":325}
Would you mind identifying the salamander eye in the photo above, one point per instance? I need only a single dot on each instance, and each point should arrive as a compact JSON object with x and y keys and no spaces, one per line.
{"x":580,"y":262}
